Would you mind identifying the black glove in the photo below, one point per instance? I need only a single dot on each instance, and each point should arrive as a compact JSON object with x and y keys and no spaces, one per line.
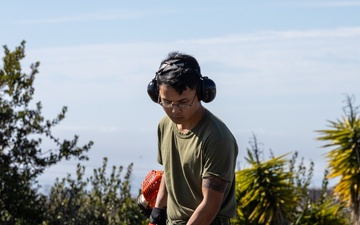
{"x":158,"y":216}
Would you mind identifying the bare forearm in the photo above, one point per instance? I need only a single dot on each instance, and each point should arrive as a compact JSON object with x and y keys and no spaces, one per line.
{"x":161,"y":198}
{"x":213,"y":192}
{"x":203,"y":215}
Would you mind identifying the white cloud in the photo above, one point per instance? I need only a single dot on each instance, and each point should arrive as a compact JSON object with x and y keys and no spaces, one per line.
{"x":330,"y":4}
{"x":87,"y":17}
{"x":342,"y":32}
{"x":115,"y":14}
{"x":313,"y":60}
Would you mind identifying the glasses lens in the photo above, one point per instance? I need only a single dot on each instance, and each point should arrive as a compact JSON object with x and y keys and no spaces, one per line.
{"x":180,"y":106}
{"x":170,"y":105}
{"x":183,"y":106}
{"x":166,"y":105}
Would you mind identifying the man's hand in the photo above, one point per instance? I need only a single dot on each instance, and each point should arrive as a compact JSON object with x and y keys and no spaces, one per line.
{"x":144,"y":206}
{"x":158,"y":216}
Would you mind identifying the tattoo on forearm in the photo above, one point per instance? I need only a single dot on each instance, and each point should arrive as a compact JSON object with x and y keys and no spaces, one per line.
{"x":215,"y":183}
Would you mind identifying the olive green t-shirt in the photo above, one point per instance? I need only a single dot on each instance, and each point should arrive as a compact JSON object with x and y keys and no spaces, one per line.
{"x":209,"y":149}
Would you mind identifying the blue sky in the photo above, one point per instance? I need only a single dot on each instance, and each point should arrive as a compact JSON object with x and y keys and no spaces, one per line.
{"x":282,"y":69}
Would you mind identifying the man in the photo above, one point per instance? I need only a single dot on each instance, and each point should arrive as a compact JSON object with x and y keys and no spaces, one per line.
{"x":196,"y":149}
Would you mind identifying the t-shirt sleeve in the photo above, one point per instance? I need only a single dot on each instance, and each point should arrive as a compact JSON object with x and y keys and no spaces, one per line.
{"x":220,"y":159}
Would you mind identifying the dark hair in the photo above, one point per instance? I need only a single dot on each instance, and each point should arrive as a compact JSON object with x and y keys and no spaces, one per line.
{"x":179,"y":71}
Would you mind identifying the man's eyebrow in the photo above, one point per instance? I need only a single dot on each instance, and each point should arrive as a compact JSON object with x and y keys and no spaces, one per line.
{"x":181,"y":100}
{"x":184,"y":100}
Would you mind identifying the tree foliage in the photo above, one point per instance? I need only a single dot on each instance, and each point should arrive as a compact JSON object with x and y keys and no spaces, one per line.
{"x":344,"y":158}
{"x":276,"y":192}
{"x":265,"y":193}
{"x":22,"y":130}
{"x":100,"y":199}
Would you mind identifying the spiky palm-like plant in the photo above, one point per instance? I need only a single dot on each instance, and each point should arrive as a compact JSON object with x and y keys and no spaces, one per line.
{"x":265,"y":194}
{"x":344,"y":158}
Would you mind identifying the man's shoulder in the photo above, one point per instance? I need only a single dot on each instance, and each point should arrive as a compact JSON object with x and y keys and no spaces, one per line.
{"x":213,"y":126}
{"x":165,"y":119}
{"x":215,"y":121}
{"x":164,"y":122}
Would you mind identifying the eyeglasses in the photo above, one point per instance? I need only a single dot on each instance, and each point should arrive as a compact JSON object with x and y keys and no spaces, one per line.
{"x":169,"y":105}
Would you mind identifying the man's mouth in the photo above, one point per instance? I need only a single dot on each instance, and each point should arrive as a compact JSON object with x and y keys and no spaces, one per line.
{"x":176,"y":117}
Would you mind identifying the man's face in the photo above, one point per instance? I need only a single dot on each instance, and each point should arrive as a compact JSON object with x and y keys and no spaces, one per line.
{"x":178,"y":114}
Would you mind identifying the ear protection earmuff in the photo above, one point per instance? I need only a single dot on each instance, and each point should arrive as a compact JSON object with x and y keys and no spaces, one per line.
{"x":206,"y":90}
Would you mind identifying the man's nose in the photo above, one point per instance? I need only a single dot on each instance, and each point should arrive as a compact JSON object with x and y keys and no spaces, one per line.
{"x":175,"y":108}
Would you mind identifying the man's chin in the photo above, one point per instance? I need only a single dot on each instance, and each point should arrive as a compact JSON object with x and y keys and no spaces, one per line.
{"x":176,"y":119}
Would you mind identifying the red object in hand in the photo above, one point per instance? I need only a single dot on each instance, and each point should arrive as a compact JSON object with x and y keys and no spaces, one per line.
{"x":150,"y":186}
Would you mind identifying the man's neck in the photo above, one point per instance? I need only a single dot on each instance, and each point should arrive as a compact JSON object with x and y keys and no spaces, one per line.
{"x":186,"y":127}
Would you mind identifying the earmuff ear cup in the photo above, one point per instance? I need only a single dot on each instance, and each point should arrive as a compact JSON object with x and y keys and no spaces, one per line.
{"x":153,"y":91}
{"x":207,"y":90}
